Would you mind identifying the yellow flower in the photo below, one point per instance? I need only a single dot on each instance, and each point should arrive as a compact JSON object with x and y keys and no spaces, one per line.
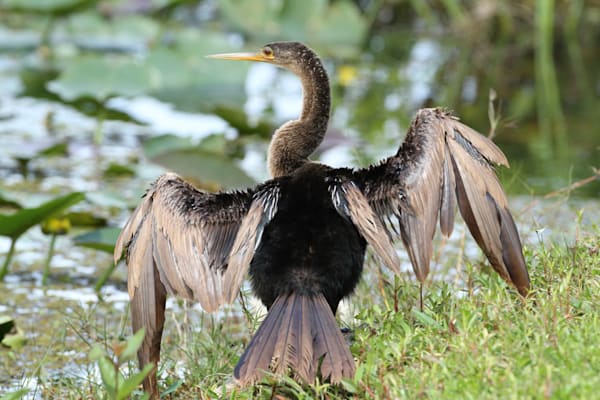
{"x":56,"y":226}
{"x":346,"y":74}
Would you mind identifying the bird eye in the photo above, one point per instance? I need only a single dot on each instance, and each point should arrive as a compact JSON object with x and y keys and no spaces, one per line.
{"x":267,"y":52}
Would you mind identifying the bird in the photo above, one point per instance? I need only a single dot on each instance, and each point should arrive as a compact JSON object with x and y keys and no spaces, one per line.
{"x":301,"y":236}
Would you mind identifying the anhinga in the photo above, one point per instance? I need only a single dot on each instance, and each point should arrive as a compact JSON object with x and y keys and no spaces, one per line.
{"x":302,"y":235}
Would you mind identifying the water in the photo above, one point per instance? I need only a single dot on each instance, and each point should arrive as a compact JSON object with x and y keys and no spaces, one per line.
{"x":373,"y":103}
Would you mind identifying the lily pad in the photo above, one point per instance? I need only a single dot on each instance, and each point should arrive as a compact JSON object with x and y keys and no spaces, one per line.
{"x":165,"y":143}
{"x":118,"y":170}
{"x":85,"y":219}
{"x":192,"y":82}
{"x":239,"y":120}
{"x":215,"y":144}
{"x":100,"y":78}
{"x":56,"y":150}
{"x":205,"y":163}
{"x":35,"y":84}
{"x":204,"y":167}
{"x":14,"y":225}
{"x":102,"y":239}
{"x":335,"y":27}
{"x":107,"y":199}
{"x":128,"y":33}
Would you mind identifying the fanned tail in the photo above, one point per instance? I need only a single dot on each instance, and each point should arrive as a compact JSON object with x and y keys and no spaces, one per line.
{"x":299,"y":334}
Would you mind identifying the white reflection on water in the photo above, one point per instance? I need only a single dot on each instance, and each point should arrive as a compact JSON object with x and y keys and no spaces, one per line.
{"x":163,"y":118}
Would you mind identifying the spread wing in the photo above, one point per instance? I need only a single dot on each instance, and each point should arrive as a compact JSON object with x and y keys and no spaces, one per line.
{"x":188,"y":235}
{"x":443,"y":163}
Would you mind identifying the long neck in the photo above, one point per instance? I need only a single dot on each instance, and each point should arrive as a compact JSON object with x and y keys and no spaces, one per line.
{"x":294,"y":141}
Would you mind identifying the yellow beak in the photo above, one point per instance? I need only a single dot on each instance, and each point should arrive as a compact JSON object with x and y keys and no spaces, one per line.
{"x":242,"y":57}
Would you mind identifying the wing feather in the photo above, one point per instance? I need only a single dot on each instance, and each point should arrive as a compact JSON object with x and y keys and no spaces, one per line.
{"x":350,"y":202}
{"x":448,"y":205}
{"x":189,"y":235}
{"x":261,"y":212}
{"x":441,"y":164}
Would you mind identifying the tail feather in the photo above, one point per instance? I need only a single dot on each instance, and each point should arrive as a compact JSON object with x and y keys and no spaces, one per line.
{"x":258,"y":354}
{"x":298,"y":333}
{"x":294,"y":348}
{"x":337,"y":362}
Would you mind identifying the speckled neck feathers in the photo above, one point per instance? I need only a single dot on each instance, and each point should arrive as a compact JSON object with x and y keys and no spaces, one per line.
{"x":294,"y":141}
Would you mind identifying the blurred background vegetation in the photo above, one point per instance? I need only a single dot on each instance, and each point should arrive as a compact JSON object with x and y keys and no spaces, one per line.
{"x":98,"y":97}
{"x":537,"y":59}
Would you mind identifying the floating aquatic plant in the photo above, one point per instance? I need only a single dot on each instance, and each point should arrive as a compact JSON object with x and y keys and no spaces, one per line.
{"x":16,"y":224}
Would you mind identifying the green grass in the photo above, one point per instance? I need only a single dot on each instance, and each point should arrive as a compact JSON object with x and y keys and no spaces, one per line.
{"x":490,"y":344}
{"x":481,"y":341}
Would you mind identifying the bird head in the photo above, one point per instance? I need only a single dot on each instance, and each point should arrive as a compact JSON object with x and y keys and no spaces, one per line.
{"x":288,"y":55}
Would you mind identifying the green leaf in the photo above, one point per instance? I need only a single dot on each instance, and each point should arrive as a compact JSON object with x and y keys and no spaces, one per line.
{"x":96,"y":353}
{"x":14,"y":340}
{"x":349,"y":386}
{"x":85,"y":218}
{"x":102,"y":239}
{"x":130,"y":384}
{"x":132,"y":346}
{"x":426,"y":319}
{"x":102,"y":77}
{"x":121,"y":31}
{"x":118,"y":170}
{"x":108,"y":199}
{"x":10,"y":335}
{"x":206,"y":167}
{"x":14,"y":225}
{"x":341,"y":29}
{"x":199,"y":83}
{"x":296,"y":16}
{"x":35,"y":84}
{"x":109,"y":375}
{"x":173,"y":387}
{"x":238,"y":119}
{"x":165,"y":143}
{"x":216,"y":144}
{"x":334,"y":27}
{"x":15,"y":395}
{"x":6,"y":202}
{"x":253,"y":15}
{"x":55,"y":150}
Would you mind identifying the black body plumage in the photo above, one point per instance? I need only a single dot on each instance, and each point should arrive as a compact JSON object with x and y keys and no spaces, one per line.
{"x":308,"y":248}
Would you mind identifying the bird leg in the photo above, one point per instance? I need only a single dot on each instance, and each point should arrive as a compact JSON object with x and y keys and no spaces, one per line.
{"x":396,"y":293}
